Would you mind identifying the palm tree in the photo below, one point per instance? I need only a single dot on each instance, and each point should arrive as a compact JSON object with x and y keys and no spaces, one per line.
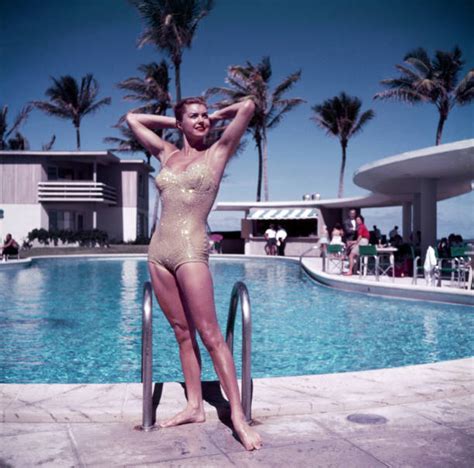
{"x":152,"y":89}
{"x":18,"y":141}
{"x":340,"y":117}
{"x":71,"y":101}
{"x":436,"y":81}
{"x":126,"y":143}
{"x":171,"y":25}
{"x":253,"y":81}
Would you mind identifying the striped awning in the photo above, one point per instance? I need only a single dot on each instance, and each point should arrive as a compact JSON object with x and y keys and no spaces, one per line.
{"x":287,"y":213}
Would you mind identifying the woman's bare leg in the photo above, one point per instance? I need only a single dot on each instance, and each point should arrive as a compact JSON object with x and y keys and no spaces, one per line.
{"x":167,"y":293}
{"x":195,"y":283}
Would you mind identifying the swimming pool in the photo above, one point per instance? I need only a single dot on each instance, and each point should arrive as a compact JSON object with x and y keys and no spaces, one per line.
{"x":79,"y":321}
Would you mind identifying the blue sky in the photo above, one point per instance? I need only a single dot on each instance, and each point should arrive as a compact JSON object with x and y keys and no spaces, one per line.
{"x":339,"y":45}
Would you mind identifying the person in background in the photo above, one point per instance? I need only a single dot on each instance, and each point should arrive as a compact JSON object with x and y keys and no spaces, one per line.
{"x":281,"y":236}
{"x":336,"y":234}
{"x":362,"y":239}
{"x":10,"y":247}
{"x":350,"y":227}
{"x":270,"y":237}
{"x":443,"y":248}
{"x":393,"y":233}
{"x":377,"y":235}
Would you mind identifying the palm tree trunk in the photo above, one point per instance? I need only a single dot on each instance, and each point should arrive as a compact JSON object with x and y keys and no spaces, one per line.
{"x":177,"y":78}
{"x":439,"y":132}
{"x":265,"y":165}
{"x":258,"y":141}
{"x":343,"y":167}
{"x":78,"y":138}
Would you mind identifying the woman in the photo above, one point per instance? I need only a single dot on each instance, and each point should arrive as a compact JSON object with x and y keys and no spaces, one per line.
{"x":336,"y":234}
{"x":363,"y":236}
{"x":178,"y":254}
{"x":10,"y":247}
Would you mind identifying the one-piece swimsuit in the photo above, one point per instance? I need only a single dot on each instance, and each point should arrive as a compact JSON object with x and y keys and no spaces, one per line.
{"x":187,"y":197}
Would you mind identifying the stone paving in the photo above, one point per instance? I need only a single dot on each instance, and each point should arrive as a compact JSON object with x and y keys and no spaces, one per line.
{"x":420,"y":416}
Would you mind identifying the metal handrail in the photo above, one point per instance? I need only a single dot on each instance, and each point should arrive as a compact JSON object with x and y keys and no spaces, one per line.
{"x":147,"y":359}
{"x":312,"y":248}
{"x":240,"y":291}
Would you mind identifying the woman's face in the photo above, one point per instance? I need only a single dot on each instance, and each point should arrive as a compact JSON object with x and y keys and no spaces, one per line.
{"x":358,"y":220}
{"x":195,"y":123}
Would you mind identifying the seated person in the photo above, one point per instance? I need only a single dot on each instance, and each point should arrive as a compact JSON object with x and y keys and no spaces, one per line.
{"x":363,"y":236}
{"x":396,"y":240}
{"x":336,"y":234}
{"x":10,"y":247}
{"x":443,"y":248}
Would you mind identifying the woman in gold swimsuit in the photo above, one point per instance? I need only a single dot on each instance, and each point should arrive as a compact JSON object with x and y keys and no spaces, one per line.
{"x":188,"y":182}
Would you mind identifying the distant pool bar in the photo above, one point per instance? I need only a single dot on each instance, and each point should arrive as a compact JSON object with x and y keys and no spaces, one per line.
{"x":78,"y":320}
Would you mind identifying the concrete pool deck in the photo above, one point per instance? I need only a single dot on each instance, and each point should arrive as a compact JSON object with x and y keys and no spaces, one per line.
{"x":410,"y":416}
{"x":386,"y":286}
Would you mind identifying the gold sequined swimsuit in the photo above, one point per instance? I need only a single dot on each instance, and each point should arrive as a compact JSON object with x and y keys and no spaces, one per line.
{"x":187,"y":197}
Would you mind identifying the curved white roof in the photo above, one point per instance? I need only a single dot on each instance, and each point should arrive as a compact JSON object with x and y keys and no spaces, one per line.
{"x":451,"y":164}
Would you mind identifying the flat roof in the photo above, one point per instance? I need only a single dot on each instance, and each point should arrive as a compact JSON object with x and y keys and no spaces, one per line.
{"x":370,"y":200}
{"x":101,"y":156}
{"x":451,"y":164}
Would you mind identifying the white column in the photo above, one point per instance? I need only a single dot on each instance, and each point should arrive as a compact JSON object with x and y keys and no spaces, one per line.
{"x":428,"y":214}
{"x":416,"y":214}
{"x":94,"y":178}
{"x":406,"y":217}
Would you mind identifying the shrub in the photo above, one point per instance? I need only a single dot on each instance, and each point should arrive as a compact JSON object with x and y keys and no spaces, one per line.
{"x":83,"y":238}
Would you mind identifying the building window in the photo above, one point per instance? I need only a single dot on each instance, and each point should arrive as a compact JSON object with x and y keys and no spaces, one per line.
{"x":61,"y":220}
{"x":60,"y":173}
{"x":52,"y":173}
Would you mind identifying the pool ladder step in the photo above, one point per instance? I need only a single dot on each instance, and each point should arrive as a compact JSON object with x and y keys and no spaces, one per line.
{"x":239,"y":294}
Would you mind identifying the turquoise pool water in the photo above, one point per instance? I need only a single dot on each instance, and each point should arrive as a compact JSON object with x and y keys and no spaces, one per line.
{"x":79,"y":320}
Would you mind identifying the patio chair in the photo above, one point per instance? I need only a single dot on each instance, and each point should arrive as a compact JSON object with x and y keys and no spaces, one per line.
{"x":461,"y":266}
{"x":417,"y":267}
{"x":366,"y":252}
{"x":447,"y":266}
{"x":335,"y":257}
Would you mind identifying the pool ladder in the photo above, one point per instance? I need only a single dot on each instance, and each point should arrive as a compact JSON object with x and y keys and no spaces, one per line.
{"x":239,"y":293}
{"x":307,"y":251}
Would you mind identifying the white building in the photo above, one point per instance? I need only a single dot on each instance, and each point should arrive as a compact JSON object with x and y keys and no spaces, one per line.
{"x":77,"y":190}
{"x":415,"y":180}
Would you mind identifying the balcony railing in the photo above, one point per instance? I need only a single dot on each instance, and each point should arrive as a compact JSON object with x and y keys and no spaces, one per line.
{"x":76,"y":191}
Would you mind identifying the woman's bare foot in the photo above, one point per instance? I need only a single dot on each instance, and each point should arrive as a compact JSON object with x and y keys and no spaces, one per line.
{"x":189,"y":415}
{"x":250,"y":439}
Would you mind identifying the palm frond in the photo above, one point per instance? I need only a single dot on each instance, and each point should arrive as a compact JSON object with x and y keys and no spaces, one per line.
{"x":62,"y":112}
{"x":48,"y":146}
{"x":464,"y":92}
{"x":364,"y":118}
{"x":286,"y":85}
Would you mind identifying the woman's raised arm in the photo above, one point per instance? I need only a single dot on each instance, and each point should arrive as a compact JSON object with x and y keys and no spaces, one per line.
{"x":142,"y":126}
{"x":241,"y":113}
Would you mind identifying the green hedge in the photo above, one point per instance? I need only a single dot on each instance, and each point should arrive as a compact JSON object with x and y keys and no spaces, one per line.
{"x":84,"y":238}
